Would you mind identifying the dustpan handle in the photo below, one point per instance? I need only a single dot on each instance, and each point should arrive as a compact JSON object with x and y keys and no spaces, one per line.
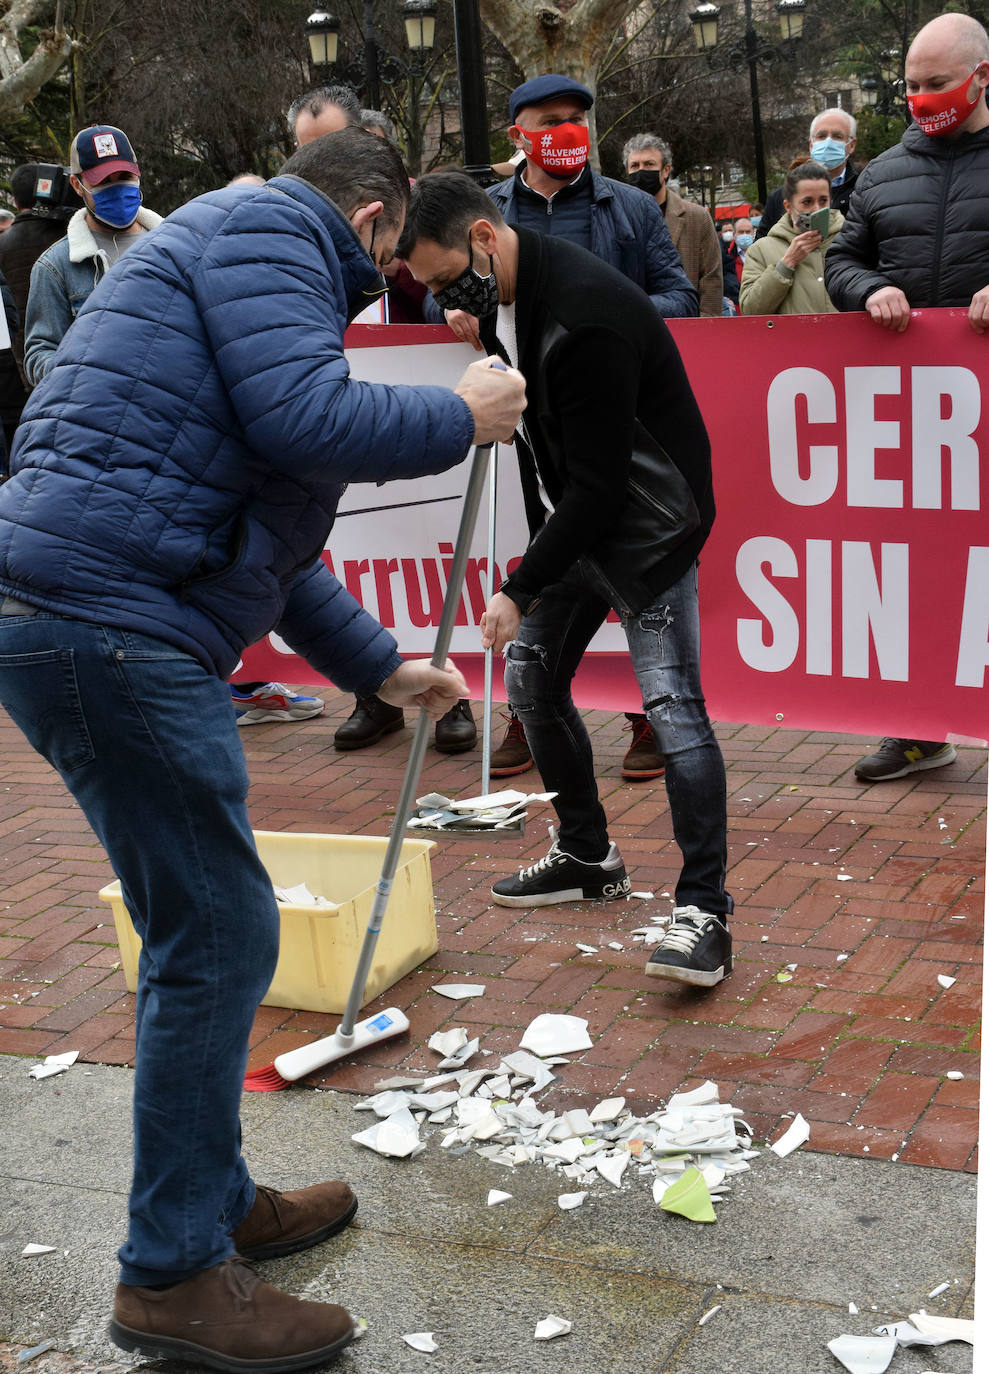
{"x":417,"y":752}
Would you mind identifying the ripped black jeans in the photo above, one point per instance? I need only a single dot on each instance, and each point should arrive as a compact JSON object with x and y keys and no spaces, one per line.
{"x":664,"y":644}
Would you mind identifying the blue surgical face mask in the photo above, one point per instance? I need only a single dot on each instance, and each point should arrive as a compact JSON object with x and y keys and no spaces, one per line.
{"x":756,"y":221}
{"x":116,"y":206}
{"x":829,"y":152}
{"x":744,"y":242}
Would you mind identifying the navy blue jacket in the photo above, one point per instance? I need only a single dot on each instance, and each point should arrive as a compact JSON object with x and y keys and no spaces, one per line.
{"x":178,"y":470}
{"x":629,"y":232}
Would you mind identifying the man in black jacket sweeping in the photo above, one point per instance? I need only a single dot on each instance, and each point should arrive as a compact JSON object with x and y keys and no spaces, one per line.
{"x":616,"y":474}
{"x":917,"y":235}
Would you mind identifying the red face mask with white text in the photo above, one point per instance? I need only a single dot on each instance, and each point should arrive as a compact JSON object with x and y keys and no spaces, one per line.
{"x":561,"y":151}
{"x":939,"y":112}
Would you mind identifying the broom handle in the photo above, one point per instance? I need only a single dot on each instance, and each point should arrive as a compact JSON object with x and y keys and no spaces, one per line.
{"x":410,"y":783}
{"x":489,"y":653}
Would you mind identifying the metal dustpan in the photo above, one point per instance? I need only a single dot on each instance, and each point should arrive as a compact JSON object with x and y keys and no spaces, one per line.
{"x":479,"y":815}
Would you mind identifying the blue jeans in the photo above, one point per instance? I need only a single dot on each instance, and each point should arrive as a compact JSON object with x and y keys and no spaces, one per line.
{"x":146,"y":741}
{"x":664,"y":644}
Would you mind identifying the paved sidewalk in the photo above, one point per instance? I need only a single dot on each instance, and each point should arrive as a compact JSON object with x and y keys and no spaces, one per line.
{"x":796,"y":1241}
{"x":871,"y":892}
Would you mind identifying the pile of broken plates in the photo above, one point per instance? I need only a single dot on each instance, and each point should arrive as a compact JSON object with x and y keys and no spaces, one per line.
{"x":689,"y":1150}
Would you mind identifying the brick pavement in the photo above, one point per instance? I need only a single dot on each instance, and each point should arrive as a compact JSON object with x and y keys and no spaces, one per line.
{"x":870,"y":891}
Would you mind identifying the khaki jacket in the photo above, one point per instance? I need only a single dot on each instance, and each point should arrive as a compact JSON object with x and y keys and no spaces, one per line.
{"x":696,"y":240}
{"x":767,"y":291}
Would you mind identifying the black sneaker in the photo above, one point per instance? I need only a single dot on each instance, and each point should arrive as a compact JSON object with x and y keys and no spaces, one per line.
{"x":696,"y":949}
{"x":895,"y":758}
{"x":559,"y":877}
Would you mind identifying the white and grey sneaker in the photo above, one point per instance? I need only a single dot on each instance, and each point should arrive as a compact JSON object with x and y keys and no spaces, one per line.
{"x":696,"y":949}
{"x":559,"y":877}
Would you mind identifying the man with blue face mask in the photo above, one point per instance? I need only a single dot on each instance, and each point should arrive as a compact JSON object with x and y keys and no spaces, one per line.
{"x":831,"y":143}
{"x":106,"y":176}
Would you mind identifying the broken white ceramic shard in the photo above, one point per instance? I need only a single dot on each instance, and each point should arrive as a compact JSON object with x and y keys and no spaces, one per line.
{"x":397,"y":1136}
{"x":383,"y":1104}
{"x":643,"y":896}
{"x":905,"y":1333}
{"x":944,"y":1328}
{"x":556,"y":1034}
{"x":863,"y":1354}
{"x":458,"y":991}
{"x":796,"y":1135}
{"x":552,"y":1326}
{"x":704,"y":1096}
{"x":853,"y":1311}
{"x":954,"y":1074}
{"x":46,"y":1070}
{"x":608,"y":1110}
{"x":941,"y":1288}
{"x":587,"y":949}
{"x":578,"y":1121}
{"x":527,"y":1066}
{"x":31,"y":1250}
{"x":945,"y":980}
{"x":458,"y":1060}
{"x":494,"y":1197}
{"x":709,"y":1314}
{"x":650,"y":935}
{"x":568,"y":1201}
{"x":570,"y":1150}
{"x":613,"y":1166}
{"x":614,"y":944}
{"x":67,"y":1059}
{"x":844,"y":877}
{"x":449,"y":1041}
{"x":421,"y":1340}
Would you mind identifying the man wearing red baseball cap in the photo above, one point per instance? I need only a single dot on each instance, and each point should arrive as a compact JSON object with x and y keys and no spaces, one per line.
{"x":105,"y":174}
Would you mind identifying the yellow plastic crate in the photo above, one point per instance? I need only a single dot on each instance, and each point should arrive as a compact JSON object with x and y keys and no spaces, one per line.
{"x":320,"y":945}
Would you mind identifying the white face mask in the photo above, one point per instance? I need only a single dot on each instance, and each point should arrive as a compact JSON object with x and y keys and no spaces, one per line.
{"x":727,"y":235}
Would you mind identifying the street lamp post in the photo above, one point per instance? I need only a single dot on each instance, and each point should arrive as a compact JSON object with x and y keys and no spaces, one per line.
{"x":750,"y":52}
{"x":473,"y":101}
{"x":377,"y":67}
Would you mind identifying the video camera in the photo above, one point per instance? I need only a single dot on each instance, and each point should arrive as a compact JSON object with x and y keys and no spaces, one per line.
{"x":54,"y":197}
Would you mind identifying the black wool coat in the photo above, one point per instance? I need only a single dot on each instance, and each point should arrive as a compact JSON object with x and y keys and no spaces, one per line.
{"x":612,"y":427}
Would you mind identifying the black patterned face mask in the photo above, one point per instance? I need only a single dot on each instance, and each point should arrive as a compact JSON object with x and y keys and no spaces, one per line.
{"x":470,"y":291}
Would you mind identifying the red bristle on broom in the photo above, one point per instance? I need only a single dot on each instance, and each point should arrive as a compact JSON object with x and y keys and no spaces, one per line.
{"x":266,"y":1080}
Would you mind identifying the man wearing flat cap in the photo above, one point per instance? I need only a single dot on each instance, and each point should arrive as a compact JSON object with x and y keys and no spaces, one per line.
{"x":105,"y":174}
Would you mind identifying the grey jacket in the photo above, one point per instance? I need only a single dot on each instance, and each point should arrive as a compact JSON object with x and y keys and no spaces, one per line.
{"x":62,"y":280}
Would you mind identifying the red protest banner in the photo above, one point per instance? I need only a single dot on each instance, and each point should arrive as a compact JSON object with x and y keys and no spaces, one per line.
{"x":846,"y":583}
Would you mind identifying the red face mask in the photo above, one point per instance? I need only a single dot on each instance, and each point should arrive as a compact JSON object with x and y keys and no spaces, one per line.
{"x":939,"y":112}
{"x":561,"y":151}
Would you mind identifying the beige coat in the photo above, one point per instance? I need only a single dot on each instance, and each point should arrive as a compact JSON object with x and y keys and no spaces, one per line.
{"x":696,"y":240}
{"x":766,"y":291}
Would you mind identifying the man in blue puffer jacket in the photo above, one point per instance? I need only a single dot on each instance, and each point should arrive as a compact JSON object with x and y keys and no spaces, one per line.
{"x":173,"y":483}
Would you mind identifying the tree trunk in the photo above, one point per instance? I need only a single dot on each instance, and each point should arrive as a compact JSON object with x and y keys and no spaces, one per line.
{"x":543,"y":38}
{"x":21,"y":81}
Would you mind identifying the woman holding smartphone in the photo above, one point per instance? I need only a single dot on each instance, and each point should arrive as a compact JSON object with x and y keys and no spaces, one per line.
{"x":784,"y":272}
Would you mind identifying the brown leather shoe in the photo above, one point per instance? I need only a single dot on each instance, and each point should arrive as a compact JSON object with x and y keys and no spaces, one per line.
{"x":643,"y":760}
{"x":512,"y":755}
{"x":228,"y":1318}
{"x":282,"y":1223}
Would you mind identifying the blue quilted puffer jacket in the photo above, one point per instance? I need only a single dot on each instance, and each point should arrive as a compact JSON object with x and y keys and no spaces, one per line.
{"x":178,"y":470}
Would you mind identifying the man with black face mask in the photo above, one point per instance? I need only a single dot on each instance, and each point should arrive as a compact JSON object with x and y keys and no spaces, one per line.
{"x":649,"y":165}
{"x":556,"y":192}
{"x":106,"y":176}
